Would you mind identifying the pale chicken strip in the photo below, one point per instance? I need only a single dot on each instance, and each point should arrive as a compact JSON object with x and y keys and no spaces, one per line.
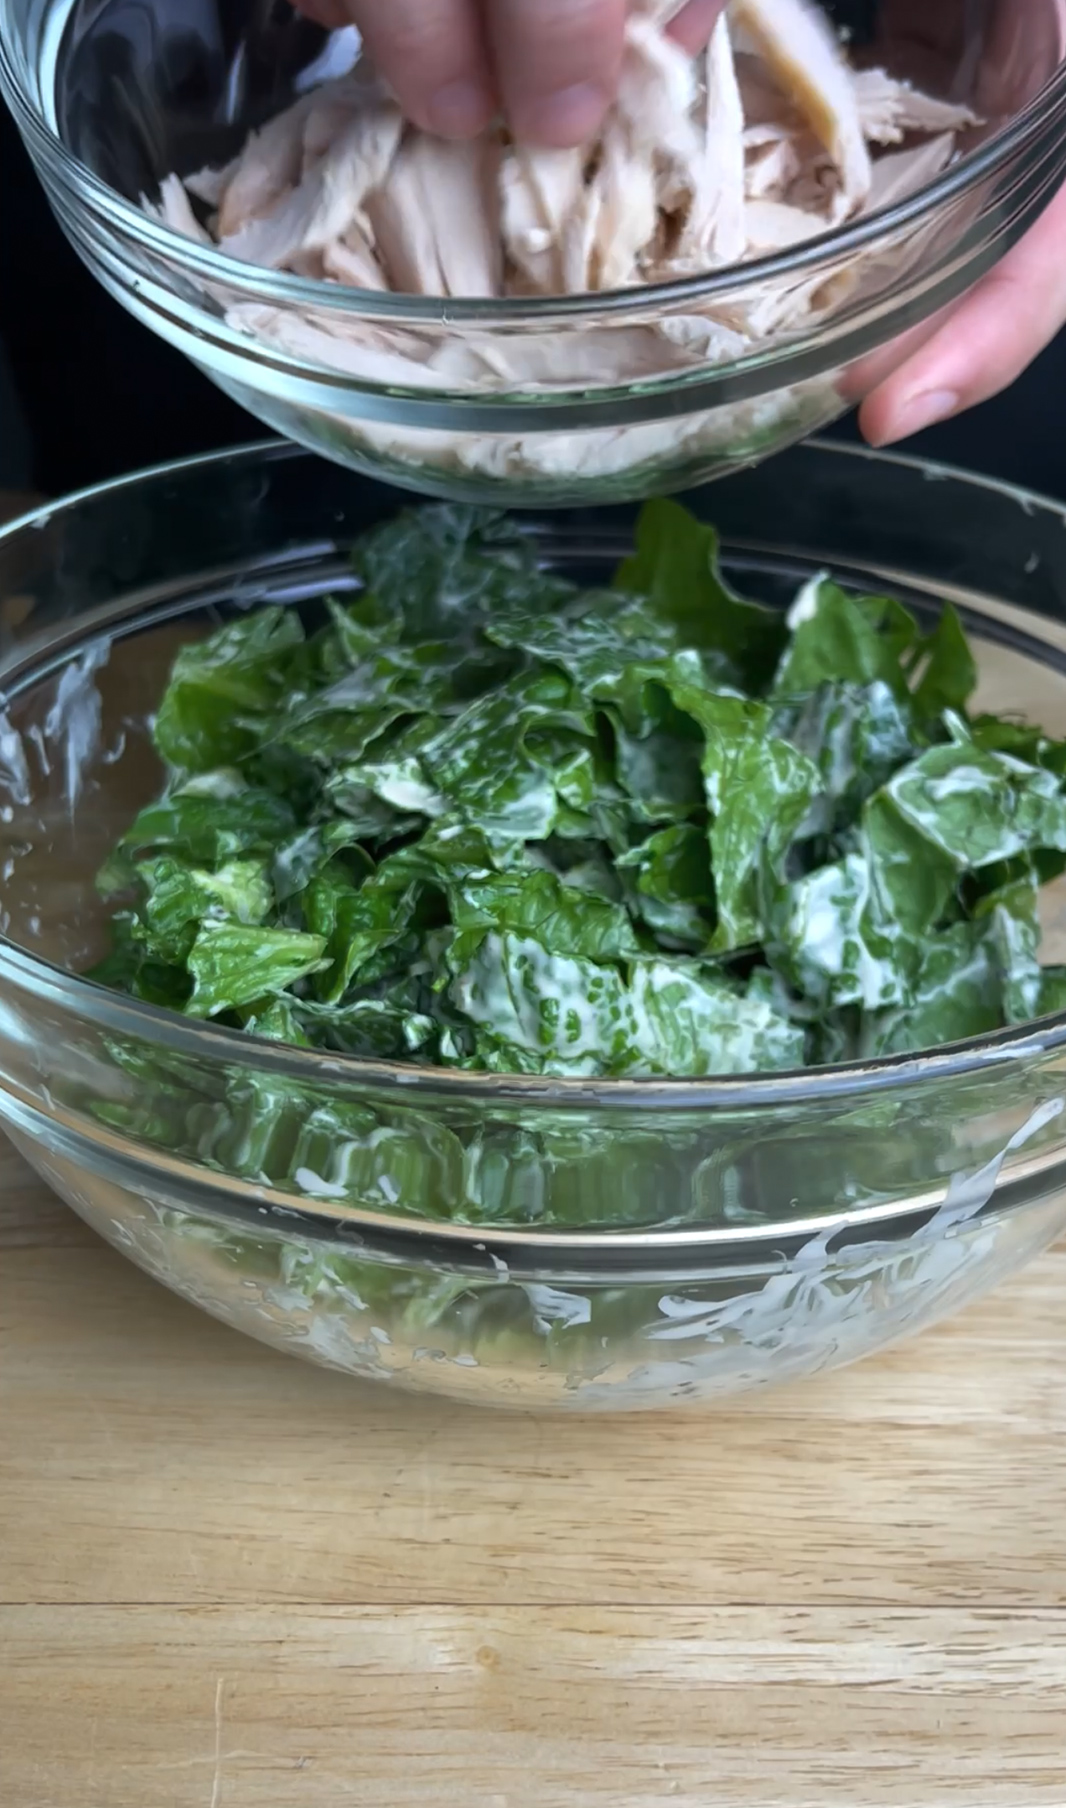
{"x":209,"y":185}
{"x":889,"y":109}
{"x":714,"y":232}
{"x":652,"y":183}
{"x":615,"y":218}
{"x":357,"y":352}
{"x":903,"y":173}
{"x":330,"y":199}
{"x":436,"y":221}
{"x":770,"y":169}
{"x":808,"y":64}
{"x":350,"y":260}
{"x":766,"y":106}
{"x":774,"y":226}
{"x":558,"y":360}
{"x":647,"y":159}
{"x":328,"y":114}
{"x":540,"y":192}
{"x":818,"y":190}
{"x":579,"y":239}
{"x":657,"y":90}
{"x":174,"y":209}
{"x":269,"y":166}
{"x":332,"y":105}
{"x":626,"y":213}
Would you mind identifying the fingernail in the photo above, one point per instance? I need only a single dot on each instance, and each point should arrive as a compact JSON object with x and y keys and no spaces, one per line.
{"x":459,"y":109}
{"x":564,"y":118}
{"x":924,"y":410}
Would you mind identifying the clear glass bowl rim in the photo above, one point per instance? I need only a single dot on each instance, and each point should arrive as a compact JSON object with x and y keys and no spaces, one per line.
{"x":210,"y":264}
{"x":211,"y":1042}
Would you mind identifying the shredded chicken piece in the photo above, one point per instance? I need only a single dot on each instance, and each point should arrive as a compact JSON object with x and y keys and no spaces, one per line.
{"x":210,"y":184}
{"x":436,"y":220}
{"x":889,"y":109}
{"x":902,"y":173}
{"x":702,"y":163}
{"x":715,"y":227}
{"x":349,"y":259}
{"x":768,"y":139}
{"x":541,"y":192}
{"x":330,"y":110}
{"x":770,"y":169}
{"x":775,"y":225}
{"x":267,"y":169}
{"x":621,"y":214}
{"x":808,"y":64}
{"x":175,"y":210}
{"x":330,"y":198}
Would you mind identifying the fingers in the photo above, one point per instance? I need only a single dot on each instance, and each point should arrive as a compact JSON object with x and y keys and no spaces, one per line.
{"x":873,"y":371}
{"x":552,"y":64}
{"x":985,"y":344}
{"x":432,"y":54}
{"x":557,"y":63}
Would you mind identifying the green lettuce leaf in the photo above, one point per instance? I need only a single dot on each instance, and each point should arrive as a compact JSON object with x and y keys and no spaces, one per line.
{"x":834,"y":945}
{"x":563,"y":919}
{"x":232,"y":965}
{"x":181,"y":897}
{"x":673,"y":886}
{"x":676,"y":567}
{"x":759,"y":790}
{"x":448,"y":570}
{"x":477,"y":815}
{"x":224,"y":690}
{"x":836,"y":639}
{"x":558,"y":1014}
{"x":950,"y":675}
{"x":492,"y":764}
{"x":955,"y":994}
{"x":204,"y":825}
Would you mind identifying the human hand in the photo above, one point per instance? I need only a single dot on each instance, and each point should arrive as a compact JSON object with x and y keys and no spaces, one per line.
{"x":984,"y":343}
{"x":980,"y":345}
{"x":552,"y":66}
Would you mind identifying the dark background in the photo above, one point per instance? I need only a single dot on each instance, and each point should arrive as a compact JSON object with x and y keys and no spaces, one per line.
{"x":99,"y":395}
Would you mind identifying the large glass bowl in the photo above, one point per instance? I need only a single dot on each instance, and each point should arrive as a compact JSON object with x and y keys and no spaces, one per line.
{"x":594,"y":398}
{"x":558,"y":1242}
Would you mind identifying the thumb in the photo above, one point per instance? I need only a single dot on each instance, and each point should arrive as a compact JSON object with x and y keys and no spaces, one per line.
{"x":986,"y":342}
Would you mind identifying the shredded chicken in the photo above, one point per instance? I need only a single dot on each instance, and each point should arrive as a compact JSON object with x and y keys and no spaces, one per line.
{"x":889,"y":110}
{"x":753,"y":147}
{"x":714,"y":230}
{"x":540,"y":191}
{"x":768,"y":139}
{"x":435,"y":218}
{"x":265,"y":172}
{"x":805,"y":60}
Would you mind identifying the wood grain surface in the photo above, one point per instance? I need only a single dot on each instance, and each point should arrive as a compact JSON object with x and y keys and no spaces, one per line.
{"x":231,"y":1581}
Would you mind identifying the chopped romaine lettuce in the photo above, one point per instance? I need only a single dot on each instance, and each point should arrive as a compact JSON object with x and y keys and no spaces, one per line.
{"x":483,"y":818}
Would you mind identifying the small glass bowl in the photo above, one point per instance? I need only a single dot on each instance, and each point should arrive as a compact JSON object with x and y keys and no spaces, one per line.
{"x":519,"y":402}
{"x":523,"y":1241}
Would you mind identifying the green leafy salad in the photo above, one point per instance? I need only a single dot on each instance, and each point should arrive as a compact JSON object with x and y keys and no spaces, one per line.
{"x":481,"y":817}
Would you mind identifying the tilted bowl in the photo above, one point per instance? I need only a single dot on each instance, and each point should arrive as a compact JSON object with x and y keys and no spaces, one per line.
{"x":111,"y":95}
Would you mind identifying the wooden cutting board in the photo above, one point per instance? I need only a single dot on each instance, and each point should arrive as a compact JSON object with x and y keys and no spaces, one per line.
{"x":228,"y":1580}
